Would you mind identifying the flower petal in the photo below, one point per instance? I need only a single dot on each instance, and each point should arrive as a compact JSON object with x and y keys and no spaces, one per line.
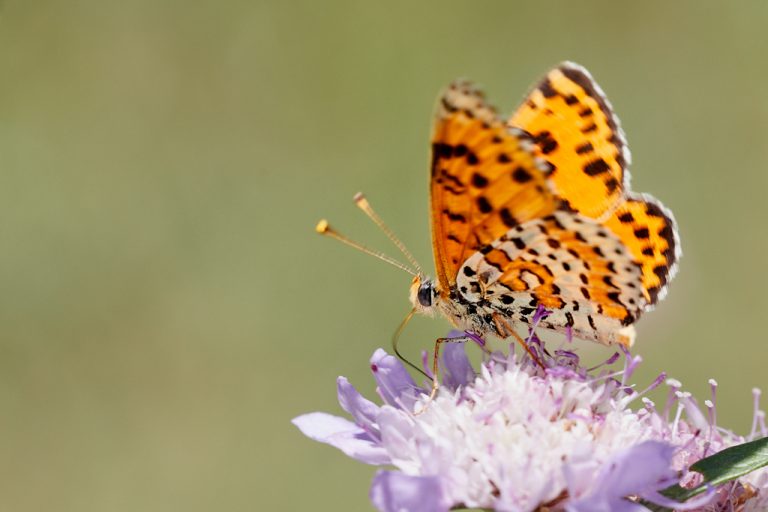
{"x":397,"y":434}
{"x":394,"y":383}
{"x":457,"y":369}
{"x":633,"y":471}
{"x":342,"y":434}
{"x":393,"y":491}
{"x":362,"y":410}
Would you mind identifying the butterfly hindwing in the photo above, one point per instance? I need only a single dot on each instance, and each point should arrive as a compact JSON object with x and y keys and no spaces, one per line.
{"x":567,"y":263}
{"x":577,"y":133}
{"x":649,"y":233}
{"x":484,"y":179}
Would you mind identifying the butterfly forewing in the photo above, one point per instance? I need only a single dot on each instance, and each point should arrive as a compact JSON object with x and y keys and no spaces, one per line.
{"x":484,"y":179}
{"x":578,"y":134}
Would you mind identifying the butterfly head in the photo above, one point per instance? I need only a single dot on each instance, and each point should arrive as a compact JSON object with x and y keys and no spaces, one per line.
{"x":423,"y":294}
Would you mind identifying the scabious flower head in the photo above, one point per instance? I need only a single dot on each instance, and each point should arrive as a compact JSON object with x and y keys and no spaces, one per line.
{"x":517,"y":437}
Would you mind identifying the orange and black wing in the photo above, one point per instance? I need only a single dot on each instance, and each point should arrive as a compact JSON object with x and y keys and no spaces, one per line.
{"x":579,"y":136}
{"x":649,"y":232}
{"x":484,"y":179}
{"x":569,"y":264}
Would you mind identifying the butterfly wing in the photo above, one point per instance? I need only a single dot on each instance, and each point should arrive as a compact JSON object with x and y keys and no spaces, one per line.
{"x":568,"y":263}
{"x":578,"y":134}
{"x":596,"y":278}
{"x":581,"y":244}
{"x":649,"y":232}
{"x":484,"y":179}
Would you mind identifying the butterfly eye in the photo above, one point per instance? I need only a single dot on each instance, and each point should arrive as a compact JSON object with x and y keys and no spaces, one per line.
{"x":426,"y":291}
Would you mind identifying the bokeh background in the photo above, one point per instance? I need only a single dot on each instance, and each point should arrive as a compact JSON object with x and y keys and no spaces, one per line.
{"x":165,"y":307}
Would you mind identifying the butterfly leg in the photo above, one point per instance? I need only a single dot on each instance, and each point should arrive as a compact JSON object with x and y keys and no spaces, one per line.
{"x":502,"y":326}
{"x":436,"y":367}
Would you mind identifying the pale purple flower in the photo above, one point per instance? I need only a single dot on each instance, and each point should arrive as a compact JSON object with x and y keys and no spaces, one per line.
{"x":516,"y":437}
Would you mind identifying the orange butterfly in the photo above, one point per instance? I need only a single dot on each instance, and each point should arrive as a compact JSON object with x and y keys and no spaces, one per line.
{"x":537,"y":211}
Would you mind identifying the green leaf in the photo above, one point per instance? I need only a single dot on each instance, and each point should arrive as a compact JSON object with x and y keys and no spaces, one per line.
{"x":724,"y":466}
{"x":653,"y":507}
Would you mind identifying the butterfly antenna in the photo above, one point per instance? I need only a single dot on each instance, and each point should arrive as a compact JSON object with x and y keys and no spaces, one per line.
{"x":325,"y":229}
{"x":364,"y":205}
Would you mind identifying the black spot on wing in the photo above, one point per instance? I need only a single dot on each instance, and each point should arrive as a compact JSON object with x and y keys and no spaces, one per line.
{"x":626,"y":218}
{"x":483,"y":205}
{"x":520,"y":175}
{"x":457,"y":217}
{"x":667,"y":233}
{"x":546,"y":88}
{"x":507,"y":218}
{"x":442,"y":150}
{"x":479,"y":181}
{"x":518,"y":243}
{"x":596,"y":167}
{"x":546,"y":142}
{"x":654,"y":210}
{"x":642,"y":233}
{"x":611,"y":184}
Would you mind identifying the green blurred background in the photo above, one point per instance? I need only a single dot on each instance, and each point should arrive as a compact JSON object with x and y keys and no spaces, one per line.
{"x":166,"y":307}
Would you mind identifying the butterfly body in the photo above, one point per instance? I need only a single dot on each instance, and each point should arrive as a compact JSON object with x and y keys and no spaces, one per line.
{"x":537,"y":211}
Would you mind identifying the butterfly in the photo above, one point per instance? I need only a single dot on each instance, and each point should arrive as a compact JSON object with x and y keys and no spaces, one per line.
{"x":536,"y":212}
